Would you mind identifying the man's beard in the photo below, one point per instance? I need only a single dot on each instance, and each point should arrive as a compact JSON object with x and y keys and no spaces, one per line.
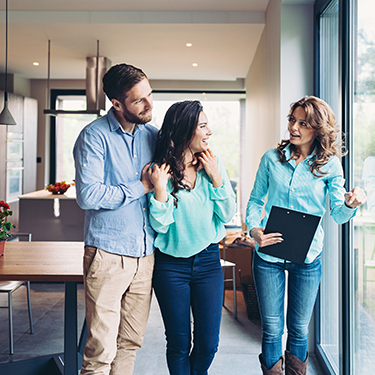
{"x":137,"y":119}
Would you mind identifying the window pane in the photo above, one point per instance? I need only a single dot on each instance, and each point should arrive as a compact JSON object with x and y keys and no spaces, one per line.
{"x":363,"y":284}
{"x":68,"y":126}
{"x":329,"y":289}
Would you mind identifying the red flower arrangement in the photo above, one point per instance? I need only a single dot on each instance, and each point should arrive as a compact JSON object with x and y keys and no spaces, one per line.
{"x":58,"y":187}
{"x":5,"y":226}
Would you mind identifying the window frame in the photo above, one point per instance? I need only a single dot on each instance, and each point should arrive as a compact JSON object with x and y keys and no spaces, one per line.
{"x":54,"y":94}
{"x":346,"y":23}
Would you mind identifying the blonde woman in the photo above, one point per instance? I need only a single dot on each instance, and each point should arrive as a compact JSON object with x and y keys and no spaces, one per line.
{"x":298,"y":175}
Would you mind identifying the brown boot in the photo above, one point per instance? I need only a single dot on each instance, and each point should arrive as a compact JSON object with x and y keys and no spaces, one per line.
{"x":293,"y":365}
{"x":277,"y":368}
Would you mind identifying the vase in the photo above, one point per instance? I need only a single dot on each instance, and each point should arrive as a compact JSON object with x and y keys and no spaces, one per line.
{"x":2,"y":248}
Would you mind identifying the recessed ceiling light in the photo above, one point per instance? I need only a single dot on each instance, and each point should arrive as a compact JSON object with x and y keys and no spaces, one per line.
{"x":35,"y":63}
{"x":195,"y":65}
{"x":189,"y":44}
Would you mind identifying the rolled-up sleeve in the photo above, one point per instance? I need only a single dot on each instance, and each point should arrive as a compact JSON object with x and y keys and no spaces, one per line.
{"x":340,"y":212}
{"x":92,"y":192}
{"x":258,"y":195}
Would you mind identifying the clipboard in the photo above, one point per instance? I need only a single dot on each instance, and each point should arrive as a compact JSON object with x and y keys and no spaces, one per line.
{"x":298,"y":230}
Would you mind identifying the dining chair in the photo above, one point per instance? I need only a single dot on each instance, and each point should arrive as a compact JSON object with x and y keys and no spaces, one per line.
{"x":224,"y":265}
{"x":11,"y":286}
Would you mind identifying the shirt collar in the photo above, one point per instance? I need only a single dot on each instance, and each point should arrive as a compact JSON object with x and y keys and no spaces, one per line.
{"x":288,"y":153}
{"x":114,"y":125}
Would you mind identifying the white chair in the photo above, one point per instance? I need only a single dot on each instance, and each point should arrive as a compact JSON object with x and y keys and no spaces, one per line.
{"x":11,"y":286}
{"x":224,"y":265}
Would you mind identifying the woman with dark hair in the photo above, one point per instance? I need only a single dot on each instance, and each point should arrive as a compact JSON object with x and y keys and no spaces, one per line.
{"x":193,"y":198}
{"x":297,"y":175}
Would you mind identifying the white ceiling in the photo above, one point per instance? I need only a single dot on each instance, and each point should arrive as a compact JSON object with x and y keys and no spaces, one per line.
{"x":150,"y":34}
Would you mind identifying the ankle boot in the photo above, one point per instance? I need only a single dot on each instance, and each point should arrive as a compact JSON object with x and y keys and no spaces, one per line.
{"x":277,"y":368}
{"x":293,"y":365}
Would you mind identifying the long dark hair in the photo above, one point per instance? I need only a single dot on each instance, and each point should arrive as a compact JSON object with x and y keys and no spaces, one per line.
{"x":174,"y":137}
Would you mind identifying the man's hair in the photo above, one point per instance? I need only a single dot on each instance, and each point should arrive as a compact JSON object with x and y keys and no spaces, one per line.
{"x":120,"y":79}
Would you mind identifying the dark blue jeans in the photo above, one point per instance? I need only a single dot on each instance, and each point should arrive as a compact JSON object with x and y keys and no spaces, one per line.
{"x":303,"y":284}
{"x":190,"y":284}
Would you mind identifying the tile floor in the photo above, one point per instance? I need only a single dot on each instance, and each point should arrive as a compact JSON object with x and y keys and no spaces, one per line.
{"x":237,"y":355}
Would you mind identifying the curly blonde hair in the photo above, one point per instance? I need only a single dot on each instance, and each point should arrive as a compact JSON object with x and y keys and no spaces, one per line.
{"x":320,"y":118}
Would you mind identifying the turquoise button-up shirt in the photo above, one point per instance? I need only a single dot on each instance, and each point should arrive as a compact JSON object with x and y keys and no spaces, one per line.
{"x":294,"y":186}
{"x":108,"y":163}
{"x":199,"y":218}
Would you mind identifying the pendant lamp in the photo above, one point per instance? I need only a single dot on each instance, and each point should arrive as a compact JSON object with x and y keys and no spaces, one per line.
{"x":6,"y":117}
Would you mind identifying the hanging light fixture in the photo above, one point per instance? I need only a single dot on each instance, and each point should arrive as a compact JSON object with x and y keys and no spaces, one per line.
{"x":96,"y":67}
{"x":6,"y":117}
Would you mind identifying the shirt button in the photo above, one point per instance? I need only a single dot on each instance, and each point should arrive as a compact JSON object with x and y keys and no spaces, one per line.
{"x":135,"y":156}
{"x":292,"y":206}
{"x":83,"y":165}
{"x":136,"y":173}
{"x":144,"y":209}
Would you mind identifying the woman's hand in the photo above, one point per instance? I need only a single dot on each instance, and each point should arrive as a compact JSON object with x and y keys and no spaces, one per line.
{"x":265,"y":239}
{"x":208,"y":160}
{"x":159,"y":178}
{"x":355,"y":197}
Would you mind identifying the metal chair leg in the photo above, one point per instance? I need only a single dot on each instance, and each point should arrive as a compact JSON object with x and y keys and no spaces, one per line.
{"x":234,"y":292}
{"x":10,"y":311}
{"x":29,"y":306}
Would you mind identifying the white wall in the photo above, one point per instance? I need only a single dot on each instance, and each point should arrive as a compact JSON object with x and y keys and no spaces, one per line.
{"x":297,"y":56}
{"x":281,"y":73}
{"x":262,"y":101}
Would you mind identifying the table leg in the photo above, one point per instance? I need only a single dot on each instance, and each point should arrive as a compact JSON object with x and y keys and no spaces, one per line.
{"x":70,"y":329}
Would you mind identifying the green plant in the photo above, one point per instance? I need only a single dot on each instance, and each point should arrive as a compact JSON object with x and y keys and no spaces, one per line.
{"x":5,"y":226}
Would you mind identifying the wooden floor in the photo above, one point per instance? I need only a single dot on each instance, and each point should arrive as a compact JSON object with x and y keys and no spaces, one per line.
{"x":237,"y":355}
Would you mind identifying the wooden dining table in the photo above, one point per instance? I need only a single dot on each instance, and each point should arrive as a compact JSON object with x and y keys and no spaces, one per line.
{"x":49,"y":262}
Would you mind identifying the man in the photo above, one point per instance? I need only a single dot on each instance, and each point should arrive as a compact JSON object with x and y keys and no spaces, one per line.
{"x":111,"y":181}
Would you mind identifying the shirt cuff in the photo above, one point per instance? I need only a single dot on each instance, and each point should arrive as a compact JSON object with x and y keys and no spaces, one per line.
{"x":219,"y":193}
{"x":136,"y":189}
{"x":160,"y":205}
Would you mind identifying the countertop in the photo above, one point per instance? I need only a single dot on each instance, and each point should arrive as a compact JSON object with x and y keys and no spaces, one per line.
{"x":44,"y":194}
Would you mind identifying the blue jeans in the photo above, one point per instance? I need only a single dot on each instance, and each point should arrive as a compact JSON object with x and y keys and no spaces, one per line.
{"x":190,"y":284}
{"x":303,"y":285}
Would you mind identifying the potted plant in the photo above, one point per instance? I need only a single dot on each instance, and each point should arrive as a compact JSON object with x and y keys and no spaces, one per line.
{"x":5,"y":226}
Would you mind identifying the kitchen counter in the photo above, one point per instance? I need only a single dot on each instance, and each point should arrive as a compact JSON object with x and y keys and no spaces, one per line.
{"x":51,"y":217}
{"x":44,"y":194}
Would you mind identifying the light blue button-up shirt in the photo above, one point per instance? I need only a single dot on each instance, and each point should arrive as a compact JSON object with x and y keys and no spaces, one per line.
{"x":294,"y":186}
{"x":108,"y":164}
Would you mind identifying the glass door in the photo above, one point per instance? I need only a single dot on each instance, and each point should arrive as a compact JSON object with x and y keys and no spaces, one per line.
{"x":329,"y":301}
{"x":363,"y":283}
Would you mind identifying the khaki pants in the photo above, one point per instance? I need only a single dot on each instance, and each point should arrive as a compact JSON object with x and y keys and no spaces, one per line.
{"x":118,"y":296}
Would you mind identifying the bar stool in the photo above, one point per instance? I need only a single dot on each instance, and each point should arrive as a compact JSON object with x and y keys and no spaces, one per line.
{"x":224,"y":265}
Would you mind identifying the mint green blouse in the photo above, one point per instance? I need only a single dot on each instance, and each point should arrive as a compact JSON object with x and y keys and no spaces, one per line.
{"x":198,"y":219}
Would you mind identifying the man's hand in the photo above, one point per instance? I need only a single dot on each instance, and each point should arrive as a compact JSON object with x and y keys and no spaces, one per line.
{"x":145,"y":179}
